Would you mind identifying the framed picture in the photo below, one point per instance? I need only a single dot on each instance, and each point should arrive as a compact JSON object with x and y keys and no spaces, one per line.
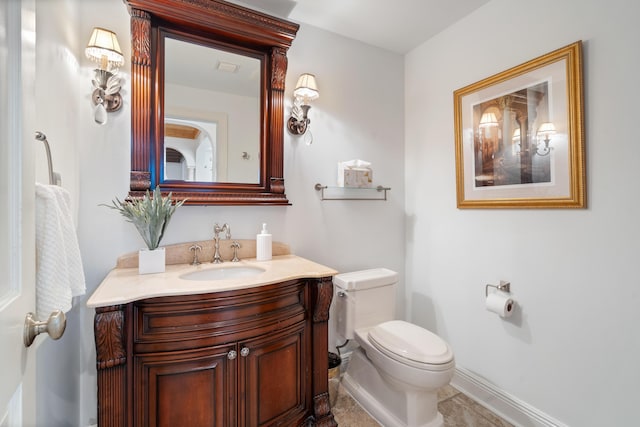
{"x":520,"y":136}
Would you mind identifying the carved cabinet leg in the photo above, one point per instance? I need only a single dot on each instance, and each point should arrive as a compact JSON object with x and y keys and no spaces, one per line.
{"x":111,"y":357}
{"x":322,"y":295}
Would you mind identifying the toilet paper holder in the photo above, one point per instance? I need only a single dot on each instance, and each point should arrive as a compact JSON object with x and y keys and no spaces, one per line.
{"x":503,"y":286}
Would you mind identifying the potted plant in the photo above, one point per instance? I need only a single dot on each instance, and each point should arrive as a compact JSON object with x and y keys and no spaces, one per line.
{"x":150,"y":215}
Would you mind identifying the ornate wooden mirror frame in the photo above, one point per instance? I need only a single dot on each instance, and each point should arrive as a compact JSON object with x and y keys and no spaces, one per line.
{"x":219,"y":22}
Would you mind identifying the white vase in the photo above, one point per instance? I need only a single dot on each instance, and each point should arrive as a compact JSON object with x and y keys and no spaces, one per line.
{"x":151,"y":261}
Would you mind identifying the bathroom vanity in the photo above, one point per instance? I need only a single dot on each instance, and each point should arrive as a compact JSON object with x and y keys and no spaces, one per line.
{"x":232,"y":344}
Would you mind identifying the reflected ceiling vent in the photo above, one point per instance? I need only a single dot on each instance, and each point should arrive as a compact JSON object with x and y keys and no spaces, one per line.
{"x":227,"y":67}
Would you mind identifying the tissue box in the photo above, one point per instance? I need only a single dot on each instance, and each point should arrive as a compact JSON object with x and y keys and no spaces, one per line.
{"x":354,"y":176}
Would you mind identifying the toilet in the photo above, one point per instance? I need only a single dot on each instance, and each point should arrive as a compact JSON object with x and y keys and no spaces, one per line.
{"x":398,"y":367}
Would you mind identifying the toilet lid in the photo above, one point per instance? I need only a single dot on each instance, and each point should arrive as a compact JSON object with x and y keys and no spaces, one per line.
{"x":406,"y":341}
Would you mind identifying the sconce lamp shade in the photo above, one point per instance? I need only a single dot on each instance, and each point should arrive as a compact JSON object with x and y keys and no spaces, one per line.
{"x":103,"y":47}
{"x":306,"y":88}
{"x":547,"y":129}
{"x":488,"y":120}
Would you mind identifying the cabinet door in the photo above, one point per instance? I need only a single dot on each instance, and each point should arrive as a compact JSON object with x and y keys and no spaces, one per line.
{"x":274,"y":379}
{"x":194,"y":388}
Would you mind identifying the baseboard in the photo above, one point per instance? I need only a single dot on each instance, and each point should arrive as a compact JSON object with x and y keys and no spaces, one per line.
{"x":501,"y":403}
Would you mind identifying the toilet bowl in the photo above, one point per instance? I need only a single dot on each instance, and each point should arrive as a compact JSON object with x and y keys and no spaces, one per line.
{"x":407,"y":355}
{"x":396,"y":371}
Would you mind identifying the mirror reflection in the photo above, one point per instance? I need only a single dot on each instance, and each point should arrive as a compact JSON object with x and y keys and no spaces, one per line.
{"x":212,"y":114}
{"x":190,"y":150}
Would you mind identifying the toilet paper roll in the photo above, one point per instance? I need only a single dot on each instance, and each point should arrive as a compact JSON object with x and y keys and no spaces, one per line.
{"x":500,"y":304}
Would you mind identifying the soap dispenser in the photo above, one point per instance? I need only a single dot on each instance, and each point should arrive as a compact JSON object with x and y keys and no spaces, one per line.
{"x":263,"y":245}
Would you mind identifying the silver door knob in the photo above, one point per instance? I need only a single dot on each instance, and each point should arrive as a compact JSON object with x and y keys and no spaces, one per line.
{"x":54,"y":326}
{"x":232,"y":355}
{"x":244,"y":352}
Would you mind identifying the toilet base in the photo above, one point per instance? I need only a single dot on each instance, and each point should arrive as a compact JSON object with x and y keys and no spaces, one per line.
{"x":389,"y":406}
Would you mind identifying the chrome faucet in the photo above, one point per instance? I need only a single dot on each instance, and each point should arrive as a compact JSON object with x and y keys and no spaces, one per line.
{"x":217,"y":259}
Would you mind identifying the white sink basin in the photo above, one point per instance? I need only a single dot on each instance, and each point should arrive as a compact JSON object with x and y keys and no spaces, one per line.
{"x":223,"y":273}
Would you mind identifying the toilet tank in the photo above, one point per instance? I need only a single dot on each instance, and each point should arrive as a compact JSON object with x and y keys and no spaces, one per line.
{"x":364,"y":299}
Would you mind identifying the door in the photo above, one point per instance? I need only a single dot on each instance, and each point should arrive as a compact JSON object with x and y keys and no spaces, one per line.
{"x":273,"y":379}
{"x":194,"y":388}
{"x":17,"y":196}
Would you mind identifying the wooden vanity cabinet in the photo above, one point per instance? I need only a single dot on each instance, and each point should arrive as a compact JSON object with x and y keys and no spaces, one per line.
{"x":250,"y":357}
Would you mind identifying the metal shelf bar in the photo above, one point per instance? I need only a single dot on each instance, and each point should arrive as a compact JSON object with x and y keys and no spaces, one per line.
{"x":350,"y":193}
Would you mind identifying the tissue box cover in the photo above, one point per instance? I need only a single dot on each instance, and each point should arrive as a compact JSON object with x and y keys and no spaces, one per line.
{"x":355,"y":177}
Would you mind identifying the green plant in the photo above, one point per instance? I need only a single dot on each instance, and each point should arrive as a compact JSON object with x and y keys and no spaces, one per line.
{"x":149,"y":214}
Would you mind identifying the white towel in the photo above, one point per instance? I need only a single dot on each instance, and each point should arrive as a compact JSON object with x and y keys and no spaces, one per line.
{"x":59,"y":273}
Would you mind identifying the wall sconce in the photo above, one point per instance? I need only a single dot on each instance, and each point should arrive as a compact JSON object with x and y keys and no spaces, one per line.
{"x":545,"y":131}
{"x":516,"y":136}
{"x":516,"y":142}
{"x":103,"y":48}
{"x":306,"y":90}
{"x":488,"y":120}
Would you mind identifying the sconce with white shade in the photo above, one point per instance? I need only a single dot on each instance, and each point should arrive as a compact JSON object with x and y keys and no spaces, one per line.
{"x":103,"y":48}
{"x":516,"y":142}
{"x":306,"y":91}
{"x":545,"y":131}
{"x":488,"y":120}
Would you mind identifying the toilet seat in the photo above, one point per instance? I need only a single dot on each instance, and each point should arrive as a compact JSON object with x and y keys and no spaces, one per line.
{"x":411,"y":345}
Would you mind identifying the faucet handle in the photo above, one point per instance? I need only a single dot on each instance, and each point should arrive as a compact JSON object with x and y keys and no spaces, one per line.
{"x":235,"y":245}
{"x":195,"y":249}
{"x":225,"y":227}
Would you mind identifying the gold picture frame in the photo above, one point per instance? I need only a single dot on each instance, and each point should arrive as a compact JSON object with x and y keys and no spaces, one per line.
{"x":520,"y":136}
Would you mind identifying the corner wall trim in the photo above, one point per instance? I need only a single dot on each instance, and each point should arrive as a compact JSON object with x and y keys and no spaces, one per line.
{"x":505,"y":405}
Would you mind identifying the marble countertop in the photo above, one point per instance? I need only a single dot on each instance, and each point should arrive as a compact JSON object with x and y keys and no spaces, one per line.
{"x":125,"y":285}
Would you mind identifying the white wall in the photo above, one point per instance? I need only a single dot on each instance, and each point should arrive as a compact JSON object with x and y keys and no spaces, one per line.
{"x":572,"y":350}
{"x":350,"y":120}
{"x":57,"y":75}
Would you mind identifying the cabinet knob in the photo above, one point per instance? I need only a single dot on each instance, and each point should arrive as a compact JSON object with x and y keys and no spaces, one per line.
{"x":232,"y":355}
{"x":244,"y":352}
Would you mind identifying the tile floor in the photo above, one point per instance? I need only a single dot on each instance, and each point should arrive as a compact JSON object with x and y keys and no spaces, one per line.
{"x":458,"y":410}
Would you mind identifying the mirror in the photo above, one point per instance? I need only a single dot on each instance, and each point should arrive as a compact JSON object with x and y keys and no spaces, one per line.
{"x":207,"y":101}
{"x":211,"y":114}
